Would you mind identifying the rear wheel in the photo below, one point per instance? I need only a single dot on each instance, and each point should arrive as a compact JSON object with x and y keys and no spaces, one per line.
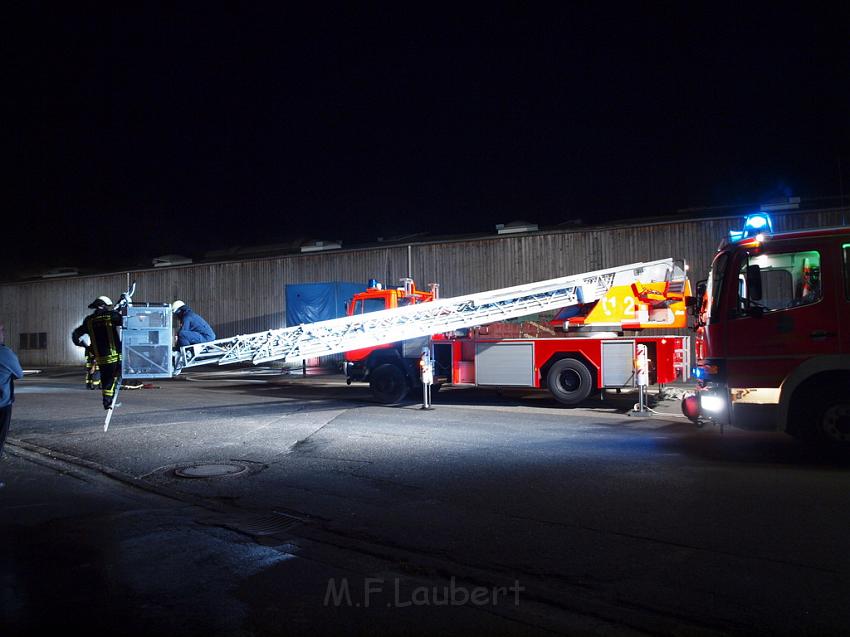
{"x":570,"y":381}
{"x":388,"y":384}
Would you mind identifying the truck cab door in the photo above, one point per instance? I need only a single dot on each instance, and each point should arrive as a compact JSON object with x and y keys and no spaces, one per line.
{"x":792,"y":317}
{"x":844,"y":299}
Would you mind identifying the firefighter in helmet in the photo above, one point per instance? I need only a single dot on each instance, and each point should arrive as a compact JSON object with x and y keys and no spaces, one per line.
{"x":92,"y":370}
{"x":193,"y":328}
{"x":102,"y":329}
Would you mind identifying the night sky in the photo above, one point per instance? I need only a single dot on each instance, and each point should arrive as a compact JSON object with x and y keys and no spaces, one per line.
{"x":132,"y":133}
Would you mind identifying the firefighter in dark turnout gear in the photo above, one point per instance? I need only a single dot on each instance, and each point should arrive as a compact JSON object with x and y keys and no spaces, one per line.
{"x":102,"y":327}
{"x":92,"y":370}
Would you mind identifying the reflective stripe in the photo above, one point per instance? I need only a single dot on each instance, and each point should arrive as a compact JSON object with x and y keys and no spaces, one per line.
{"x":111,"y":390}
{"x":755,"y":395}
{"x":102,"y":331}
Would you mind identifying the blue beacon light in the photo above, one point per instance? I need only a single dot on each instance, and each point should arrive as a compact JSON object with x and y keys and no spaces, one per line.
{"x":754,"y":224}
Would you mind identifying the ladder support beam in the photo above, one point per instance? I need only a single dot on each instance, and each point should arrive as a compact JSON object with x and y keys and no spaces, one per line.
{"x":334,"y":336}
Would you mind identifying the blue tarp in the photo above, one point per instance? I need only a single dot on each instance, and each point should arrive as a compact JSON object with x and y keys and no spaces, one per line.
{"x":311,"y":302}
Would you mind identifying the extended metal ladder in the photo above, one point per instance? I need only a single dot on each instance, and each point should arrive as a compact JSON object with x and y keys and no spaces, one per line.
{"x":295,"y":343}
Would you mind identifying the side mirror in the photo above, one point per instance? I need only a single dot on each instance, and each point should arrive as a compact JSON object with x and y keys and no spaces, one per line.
{"x":753,"y":283}
{"x":695,"y":302}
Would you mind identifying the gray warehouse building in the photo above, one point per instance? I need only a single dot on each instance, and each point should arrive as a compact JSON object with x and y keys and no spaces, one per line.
{"x":247,"y":295}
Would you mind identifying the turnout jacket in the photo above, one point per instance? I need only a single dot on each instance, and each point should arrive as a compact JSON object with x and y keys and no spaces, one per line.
{"x":103,"y":327}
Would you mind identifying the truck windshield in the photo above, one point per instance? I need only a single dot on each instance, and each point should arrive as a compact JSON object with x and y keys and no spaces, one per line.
{"x":788,"y":280}
{"x":714,"y":285}
{"x":363,"y":306}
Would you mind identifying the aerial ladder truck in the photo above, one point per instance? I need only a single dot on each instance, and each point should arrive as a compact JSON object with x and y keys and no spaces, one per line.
{"x":584,"y":348}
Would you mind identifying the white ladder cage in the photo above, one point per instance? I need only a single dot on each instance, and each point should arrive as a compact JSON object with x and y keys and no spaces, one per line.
{"x":292,"y":344}
{"x":146,"y":341}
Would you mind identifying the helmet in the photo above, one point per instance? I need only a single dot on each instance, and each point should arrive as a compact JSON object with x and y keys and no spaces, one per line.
{"x":176,"y":306}
{"x":100,"y":301}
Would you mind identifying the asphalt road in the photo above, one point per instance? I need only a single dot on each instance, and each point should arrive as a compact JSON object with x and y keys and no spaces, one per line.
{"x":491,"y":513}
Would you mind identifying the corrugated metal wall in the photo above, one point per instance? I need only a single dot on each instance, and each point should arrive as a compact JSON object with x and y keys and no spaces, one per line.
{"x":248,"y":296}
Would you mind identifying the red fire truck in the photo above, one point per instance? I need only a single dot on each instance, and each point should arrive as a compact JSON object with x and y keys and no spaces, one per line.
{"x":581,"y":350}
{"x":773,"y":333}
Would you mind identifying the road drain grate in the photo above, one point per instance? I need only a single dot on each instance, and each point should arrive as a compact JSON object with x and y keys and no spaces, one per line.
{"x":265,"y":524}
{"x":210,"y":470}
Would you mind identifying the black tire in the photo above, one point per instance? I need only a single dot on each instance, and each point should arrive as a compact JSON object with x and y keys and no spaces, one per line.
{"x":570,"y":381}
{"x":832,"y":421}
{"x":820,"y":414}
{"x":388,"y":384}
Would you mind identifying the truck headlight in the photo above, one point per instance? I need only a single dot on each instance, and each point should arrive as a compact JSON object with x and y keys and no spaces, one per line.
{"x":712,"y":403}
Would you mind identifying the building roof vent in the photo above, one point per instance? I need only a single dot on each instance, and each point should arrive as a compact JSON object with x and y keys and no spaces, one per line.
{"x":516,"y":226}
{"x":170,"y":259}
{"x":57,"y":272}
{"x":318,"y":246}
{"x":571,"y":222}
{"x":786,"y":203}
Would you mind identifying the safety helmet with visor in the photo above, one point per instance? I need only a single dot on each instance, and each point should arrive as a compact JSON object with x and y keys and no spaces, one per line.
{"x":101,"y":301}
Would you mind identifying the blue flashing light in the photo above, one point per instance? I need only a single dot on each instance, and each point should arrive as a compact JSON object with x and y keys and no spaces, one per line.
{"x":698,"y":373}
{"x":756,"y":223}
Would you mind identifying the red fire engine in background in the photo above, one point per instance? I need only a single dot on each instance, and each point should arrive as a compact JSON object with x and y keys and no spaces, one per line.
{"x":575,"y":354}
{"x":773,"y":333}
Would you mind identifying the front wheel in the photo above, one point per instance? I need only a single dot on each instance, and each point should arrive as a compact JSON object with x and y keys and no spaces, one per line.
{"x":833,"y":421}
{"x":820,"y":413}
{"x":388,"y":384}
{"x":570,"y":381}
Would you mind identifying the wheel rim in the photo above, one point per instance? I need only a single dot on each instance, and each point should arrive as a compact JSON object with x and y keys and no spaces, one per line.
{"x":835,"y":423}
{"x":387,"y":385}
{"x":569,"y":380}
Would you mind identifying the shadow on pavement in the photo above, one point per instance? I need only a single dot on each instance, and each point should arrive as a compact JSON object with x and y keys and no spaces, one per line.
{"x":758,"y":448}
